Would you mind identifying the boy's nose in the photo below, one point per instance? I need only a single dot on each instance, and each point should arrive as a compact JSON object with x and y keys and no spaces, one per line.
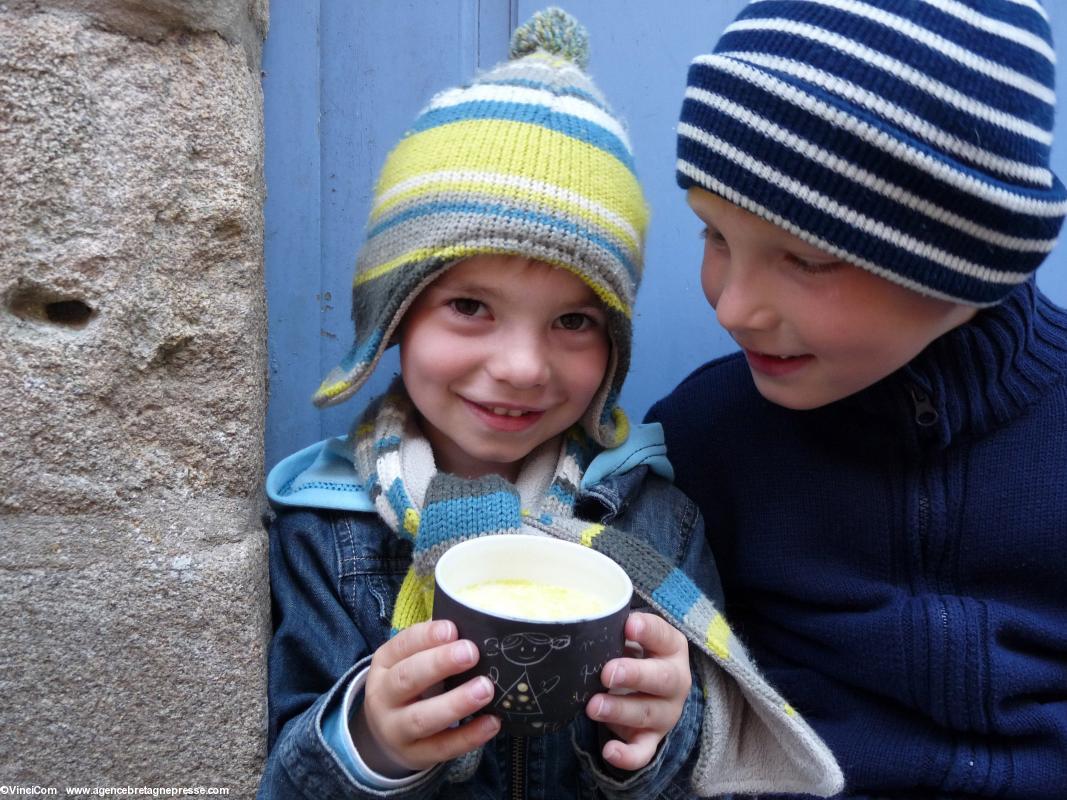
{"x":521,"y":361}
{"x":742,"y":304}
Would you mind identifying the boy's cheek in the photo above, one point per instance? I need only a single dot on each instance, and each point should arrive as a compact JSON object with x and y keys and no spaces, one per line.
{"x":710,"y":286}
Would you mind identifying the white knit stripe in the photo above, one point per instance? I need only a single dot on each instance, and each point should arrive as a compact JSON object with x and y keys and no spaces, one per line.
{"x":517,"y":95}
{"x":899,"y":70}
{"x":1033,"y":5}
{"x":385,"y":509}
{"x":389,"y":468}
{"x":536,"y":72}
{"x":569,"y":468}
{"x":880,"y":139}
{"x":880,"y":106}
{"x":944,"y":46}
{"x":730,"y":193}
{"x":557,"y":70}
{"x":808,"y":150}
{"x":855,"y":218}
{"x":503,"y":180}
{"x":995,"y":26}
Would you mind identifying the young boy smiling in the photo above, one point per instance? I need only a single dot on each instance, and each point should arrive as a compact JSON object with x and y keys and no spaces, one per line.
{"x":813,"y":327}
{"x":503,"y":254}
{"x":881,"y":469}
{"x":499,"y":355}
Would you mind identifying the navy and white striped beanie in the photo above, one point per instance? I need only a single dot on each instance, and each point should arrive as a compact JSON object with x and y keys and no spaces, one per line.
{"x":908,"y":137}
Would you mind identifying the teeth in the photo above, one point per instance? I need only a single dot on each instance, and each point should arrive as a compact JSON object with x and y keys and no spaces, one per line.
{"x":503,"y":412}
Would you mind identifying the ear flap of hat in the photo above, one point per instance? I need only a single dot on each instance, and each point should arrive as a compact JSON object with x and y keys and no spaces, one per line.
{"x":379,"y":309}
{"x":604,"y":421}
{"x":527,"y":160}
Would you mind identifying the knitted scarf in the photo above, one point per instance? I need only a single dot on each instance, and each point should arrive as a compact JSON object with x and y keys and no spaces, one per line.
{"x":752,"y":741}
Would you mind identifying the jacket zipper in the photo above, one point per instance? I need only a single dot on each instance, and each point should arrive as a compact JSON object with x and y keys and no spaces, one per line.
{"x":518,"y":768}
{"x":925,"y":412}
{"x":926,"y":416}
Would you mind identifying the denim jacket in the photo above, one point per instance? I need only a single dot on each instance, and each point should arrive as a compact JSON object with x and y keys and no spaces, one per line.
{"x":335,"y":571}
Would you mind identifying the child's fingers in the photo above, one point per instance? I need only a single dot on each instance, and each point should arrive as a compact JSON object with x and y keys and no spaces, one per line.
{"x":655,"y":635}
{"x":452,"y":743}
{"x":412,"y":640}
{"x":427,"y":718}
{"x":635,"y":754}
{"x":409,"y":678}
{"x":635,"y":711}
{"x":654,"y":676}
{"x":400,"y":731}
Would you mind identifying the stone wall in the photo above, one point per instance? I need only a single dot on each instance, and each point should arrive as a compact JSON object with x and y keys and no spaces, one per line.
{"x":133,"y":586}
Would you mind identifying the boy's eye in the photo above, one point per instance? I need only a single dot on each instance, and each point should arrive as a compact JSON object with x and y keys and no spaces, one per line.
{"x":466,"y":306}
{"x":575,"y":321}
{"x":713,"y":238}
{"x":813,"y":267}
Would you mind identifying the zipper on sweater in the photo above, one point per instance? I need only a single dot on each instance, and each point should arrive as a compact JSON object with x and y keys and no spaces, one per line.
{"x":925,"y":416}
{"x":925,"y":413}
{"x":518,"y":768}
{"x":922,"y":539}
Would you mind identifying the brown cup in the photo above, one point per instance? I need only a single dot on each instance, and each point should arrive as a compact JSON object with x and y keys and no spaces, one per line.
{"x":543,"y":671}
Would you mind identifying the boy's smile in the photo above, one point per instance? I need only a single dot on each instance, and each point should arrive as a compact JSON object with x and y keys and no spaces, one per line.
{"x":499,"y":355}
{"x":814,"y":329}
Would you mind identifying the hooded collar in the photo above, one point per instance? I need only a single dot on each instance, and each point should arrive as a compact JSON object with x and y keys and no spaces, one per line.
{"x":324,"y":476}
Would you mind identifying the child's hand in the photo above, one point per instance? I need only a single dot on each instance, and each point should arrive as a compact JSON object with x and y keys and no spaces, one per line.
{"x":399,"y":730}
{"x":658,"y":685}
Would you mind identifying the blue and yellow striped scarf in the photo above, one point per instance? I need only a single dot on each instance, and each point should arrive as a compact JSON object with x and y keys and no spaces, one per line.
{"x":766,"y":747}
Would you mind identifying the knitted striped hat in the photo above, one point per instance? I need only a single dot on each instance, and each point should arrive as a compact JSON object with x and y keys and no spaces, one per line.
{"x":908,"y":137}
{"x":527,"y":160}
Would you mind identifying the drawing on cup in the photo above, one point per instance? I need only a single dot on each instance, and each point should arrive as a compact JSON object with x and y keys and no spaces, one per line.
{"x":519,"y":690}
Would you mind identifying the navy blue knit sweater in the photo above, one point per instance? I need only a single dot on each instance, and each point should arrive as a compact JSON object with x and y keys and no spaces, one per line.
{"x":897,"y":561}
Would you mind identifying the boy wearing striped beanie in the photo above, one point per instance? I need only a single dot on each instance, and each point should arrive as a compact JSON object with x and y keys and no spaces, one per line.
{"x":882,"y":466}
{"x":503,"y":253}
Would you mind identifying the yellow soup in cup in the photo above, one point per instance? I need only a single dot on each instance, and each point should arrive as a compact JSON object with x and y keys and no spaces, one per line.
{"x":517,"y":597}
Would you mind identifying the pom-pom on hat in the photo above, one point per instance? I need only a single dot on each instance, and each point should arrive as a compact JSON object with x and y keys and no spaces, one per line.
{"x":527,"y":160}
{"x":908,"y":137}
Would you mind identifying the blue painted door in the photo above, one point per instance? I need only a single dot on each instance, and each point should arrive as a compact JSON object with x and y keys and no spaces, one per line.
{"x":342,"y":81}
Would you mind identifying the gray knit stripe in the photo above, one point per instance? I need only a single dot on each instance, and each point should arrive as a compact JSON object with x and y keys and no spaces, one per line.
{"x":634,"y":556}
{"x":616,"y":241}
{"x":496,"y":235}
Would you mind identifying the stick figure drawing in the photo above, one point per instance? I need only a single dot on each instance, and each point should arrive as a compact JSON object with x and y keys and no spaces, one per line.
{"x":519,"y":691}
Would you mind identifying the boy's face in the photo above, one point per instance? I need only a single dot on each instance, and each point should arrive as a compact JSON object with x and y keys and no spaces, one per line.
{"x":499,"y":355}
{"x":813,"y":328}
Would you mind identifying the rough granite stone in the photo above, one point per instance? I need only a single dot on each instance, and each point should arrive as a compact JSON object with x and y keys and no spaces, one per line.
{"x":242,"y":22}
{"x":133,"y":650}
{"x":132,"y":384}
{"x":133,"y":186}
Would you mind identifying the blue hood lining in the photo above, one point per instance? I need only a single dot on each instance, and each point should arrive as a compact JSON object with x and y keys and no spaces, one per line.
{"x":323,"y":475}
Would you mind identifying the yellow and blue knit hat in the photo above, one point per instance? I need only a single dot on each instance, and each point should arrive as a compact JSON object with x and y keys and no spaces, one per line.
{"x":908,"y":137}
{"x":527,"y":160}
